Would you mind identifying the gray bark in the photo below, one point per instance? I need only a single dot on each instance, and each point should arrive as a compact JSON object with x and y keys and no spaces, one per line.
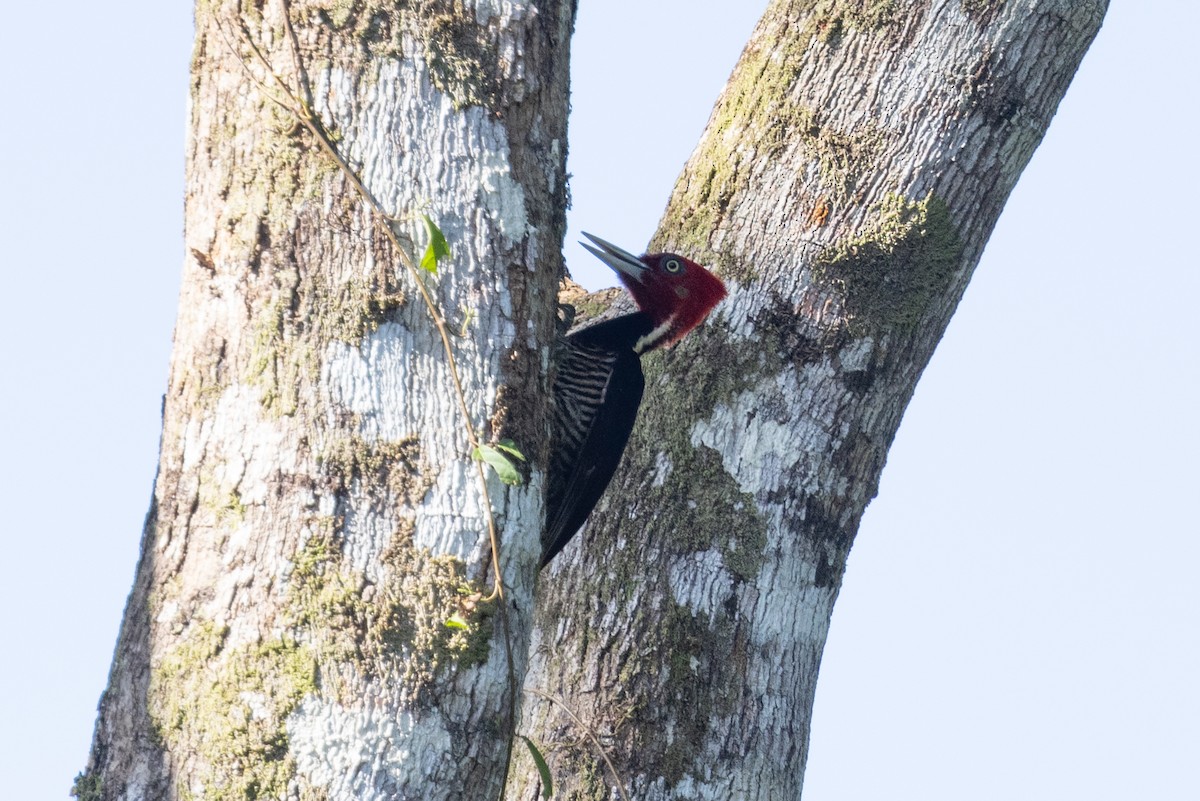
{"x":845,"y":187}
{"x":316,"y":515}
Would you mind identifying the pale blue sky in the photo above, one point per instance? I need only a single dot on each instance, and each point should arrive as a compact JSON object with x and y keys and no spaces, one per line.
{"x":1021,"y":612}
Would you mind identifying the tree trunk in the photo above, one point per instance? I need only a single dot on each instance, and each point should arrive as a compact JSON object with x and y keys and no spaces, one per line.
{"x":848,"y":180}
{"x":317,"y":518}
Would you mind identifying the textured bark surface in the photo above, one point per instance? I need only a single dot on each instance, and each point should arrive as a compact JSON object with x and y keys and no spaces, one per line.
{"x":845,"y":187}
{"x":317,"y":517}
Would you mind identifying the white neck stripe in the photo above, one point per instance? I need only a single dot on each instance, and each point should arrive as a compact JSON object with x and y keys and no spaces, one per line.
{"x":651,"y":339}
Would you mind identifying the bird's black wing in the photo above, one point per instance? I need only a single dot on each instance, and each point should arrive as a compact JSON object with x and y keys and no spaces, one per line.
{"x":597,"y":392}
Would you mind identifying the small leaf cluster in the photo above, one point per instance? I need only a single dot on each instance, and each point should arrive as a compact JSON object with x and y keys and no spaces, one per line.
{"x":496,"y":457}
{"x":437,"y":249}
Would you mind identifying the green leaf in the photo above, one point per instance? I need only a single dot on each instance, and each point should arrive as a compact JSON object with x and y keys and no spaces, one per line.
{"x":510,"y":447}
{"x":543,"y":768}
{"x":455,"y":621}
{"x":505,"y":469}
{"x":437,"y":249}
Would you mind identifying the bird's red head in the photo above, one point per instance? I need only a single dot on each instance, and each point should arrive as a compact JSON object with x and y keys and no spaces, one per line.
{"x":676,"y":292}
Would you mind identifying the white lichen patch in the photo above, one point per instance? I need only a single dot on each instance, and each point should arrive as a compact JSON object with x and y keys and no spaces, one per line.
{"x":232,"y":468}
{"x":366,"y":753}
{"x":757,"y":435}
{"x":662,"y":469}
{"x":773,"y":440}
{"x":805,"y":618}
{"x":510,"y":9}
{"x":446,"y":157}
{"x":453,"y":520}
{"x":700,"y":582}
{"x":502,"y":196}
{"x":398,"y":391}
{"x":856,"y":356}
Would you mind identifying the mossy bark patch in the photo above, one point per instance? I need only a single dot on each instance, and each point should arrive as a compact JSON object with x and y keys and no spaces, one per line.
{"x":904,"y":258}
{"x":982,"y":11}
{"x":461,"y":63}
{"x":338,"y":13}
{"x":752,"y":118}
{"x":705,"y":652}
{"x":381,"y":471}
{"x":225,"y":709}
{"x":831,"y":19}
{"x":395,"y":625}
{"x":456,"y":46}
{"x":757,"y":119}
{"x":703,"y":498}
{"x":305,"y":310}
{"x":88,"y":787}
{"x":459,"y":52}
{"x":692,"y":487}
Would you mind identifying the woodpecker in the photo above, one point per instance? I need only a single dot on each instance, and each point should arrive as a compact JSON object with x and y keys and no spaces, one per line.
{"x":599,"y":383}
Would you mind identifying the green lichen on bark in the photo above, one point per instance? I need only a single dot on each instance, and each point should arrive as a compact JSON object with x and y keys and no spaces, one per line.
{"x":706,"y":501}
{"x":353,"y":310}
{"x":392,"y":622}
{"x":265,"y":186}
{"x":904,"y":258}
{"x":306,"y":311}
{"x":280,"y":360}
{"x":706,"y":651}
{"x":461,"y":64}
{"x":594,"y":783}
{"x":338,"y":12}
{"x":217,"y":505}
{"x":457,"y":50}
{"x":372,"y":28}
{"x":752,"y":119}
{"x":88,"y":787}
{"x":222,"y":711}
{"x":844,"y":159}
{"x":686,"y":693}
{"x":757,"y":120}
{"x":378,"y":470}
{"x":391,"y":625}
{"x":831,"y":19}
{"x":701,"y":505}
{"x":982,"y":11}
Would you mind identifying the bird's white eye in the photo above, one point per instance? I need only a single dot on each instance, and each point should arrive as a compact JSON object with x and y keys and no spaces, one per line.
{"x":672,"y":265}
